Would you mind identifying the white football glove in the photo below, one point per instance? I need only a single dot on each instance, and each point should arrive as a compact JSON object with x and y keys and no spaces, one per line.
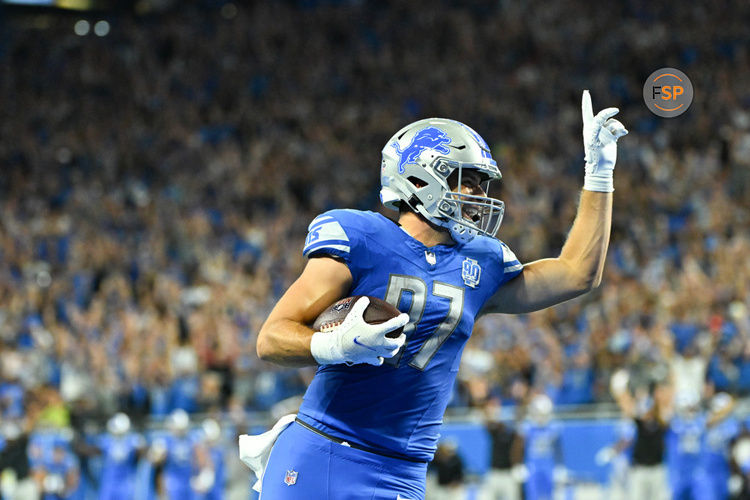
{"x":520,"y":473}
{"x":618,"y":383}
{"x":356,"y":341}
{"x":204,"y":481}
{"x":604,"y":456}
{"x":600,"y":134}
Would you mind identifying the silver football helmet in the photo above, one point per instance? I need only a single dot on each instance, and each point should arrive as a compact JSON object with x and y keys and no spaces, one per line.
{"x":417,"y":163}
{"x":540,"y":408}
{"x":178,"y":421}
{"x":119,"y":424}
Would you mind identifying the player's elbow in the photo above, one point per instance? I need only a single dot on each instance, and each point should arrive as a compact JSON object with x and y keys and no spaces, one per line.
{"x":587,"y":283}
{"x":263,"y":347}
{"x":591,"y":282}
{"x":582,"y":279}
{"x":594,"y":277}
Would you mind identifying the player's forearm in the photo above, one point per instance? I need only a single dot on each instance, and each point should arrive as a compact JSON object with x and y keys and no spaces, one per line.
{"x":626,"y":403}
{"x":285,"y":342}
{"x":284,"y":338}
{"x":585,"y":250}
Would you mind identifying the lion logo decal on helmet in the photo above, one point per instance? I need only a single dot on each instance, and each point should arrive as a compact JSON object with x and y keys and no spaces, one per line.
{"x":427,"y":138}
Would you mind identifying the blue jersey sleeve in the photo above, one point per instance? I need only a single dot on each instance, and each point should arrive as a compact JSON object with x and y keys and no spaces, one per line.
{"x":326,"y":235}
{"x":341,"y":234}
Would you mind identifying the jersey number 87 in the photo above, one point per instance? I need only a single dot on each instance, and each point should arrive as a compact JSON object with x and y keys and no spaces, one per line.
{"x":398,"y":284}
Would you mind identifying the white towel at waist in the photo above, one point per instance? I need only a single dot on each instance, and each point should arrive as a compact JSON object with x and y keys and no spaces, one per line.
{"x":255,"y":450}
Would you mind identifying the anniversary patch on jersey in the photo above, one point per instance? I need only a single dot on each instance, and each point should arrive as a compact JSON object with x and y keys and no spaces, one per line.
{"x":471,"y":271}
{"x":325,"y":232}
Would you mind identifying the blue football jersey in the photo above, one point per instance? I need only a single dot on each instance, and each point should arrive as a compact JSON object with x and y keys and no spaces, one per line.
{"x":179,"y":461}
{"x":687,"y":436}
{"x":56,"y":470}
{"x":716,"y":445}
{"x":120,"y":457}
{"x":217,"y":459}
{"x":542,"y":445}
{"x":398,"y":407}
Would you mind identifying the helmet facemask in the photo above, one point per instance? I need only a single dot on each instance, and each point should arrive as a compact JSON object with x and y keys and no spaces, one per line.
{"x":477,"y":212}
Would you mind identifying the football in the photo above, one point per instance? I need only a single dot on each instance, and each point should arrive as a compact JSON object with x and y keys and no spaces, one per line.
{"x":378,"y":311}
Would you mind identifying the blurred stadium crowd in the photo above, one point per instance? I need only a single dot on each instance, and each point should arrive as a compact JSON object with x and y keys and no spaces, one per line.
{"x":157,"y":182}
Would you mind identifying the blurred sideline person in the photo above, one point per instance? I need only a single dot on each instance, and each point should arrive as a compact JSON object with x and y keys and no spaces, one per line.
{"x":210,"y":481}
{"x":691,"y":471}
{"x":722,"y":429}
{"x":176,"y":453}
{"x":542,"y":450}
{"x":441,"y":263}
{"x":686,"y":429}
{"x":500,"y":483}
{"x":16,"y":481}
{"x":448,"y":470}
{"x":57,"y":472}
{"x":648,"y":477}
{"x":120,"y":450}
{"x":617,"y":456}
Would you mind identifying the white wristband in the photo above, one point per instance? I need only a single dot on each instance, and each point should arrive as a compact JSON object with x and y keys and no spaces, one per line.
{"x":602,"y":182}
{"x":324,"y":347}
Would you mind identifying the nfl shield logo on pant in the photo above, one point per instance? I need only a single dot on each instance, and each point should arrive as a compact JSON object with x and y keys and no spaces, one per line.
{"x":291,"y":477}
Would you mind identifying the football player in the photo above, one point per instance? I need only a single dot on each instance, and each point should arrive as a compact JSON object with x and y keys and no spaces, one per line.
{"x":371,"y":417}
{"x":542,"y":450}
{"x":209,"y":483}
{"x":57,"y":472}
{"x":176,"y":451}
{"x":121,"y":450}
{"x":721,"y":429}
{"x":686,"y":430}
{"x":699,"y":442}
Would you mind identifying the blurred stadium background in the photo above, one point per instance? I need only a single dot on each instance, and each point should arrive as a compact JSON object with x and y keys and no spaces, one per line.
{"x":159,"y":164}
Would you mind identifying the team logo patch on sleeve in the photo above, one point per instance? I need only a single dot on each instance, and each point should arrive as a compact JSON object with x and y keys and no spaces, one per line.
{"x":291,"y":477}
{"x":471,"y":271}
